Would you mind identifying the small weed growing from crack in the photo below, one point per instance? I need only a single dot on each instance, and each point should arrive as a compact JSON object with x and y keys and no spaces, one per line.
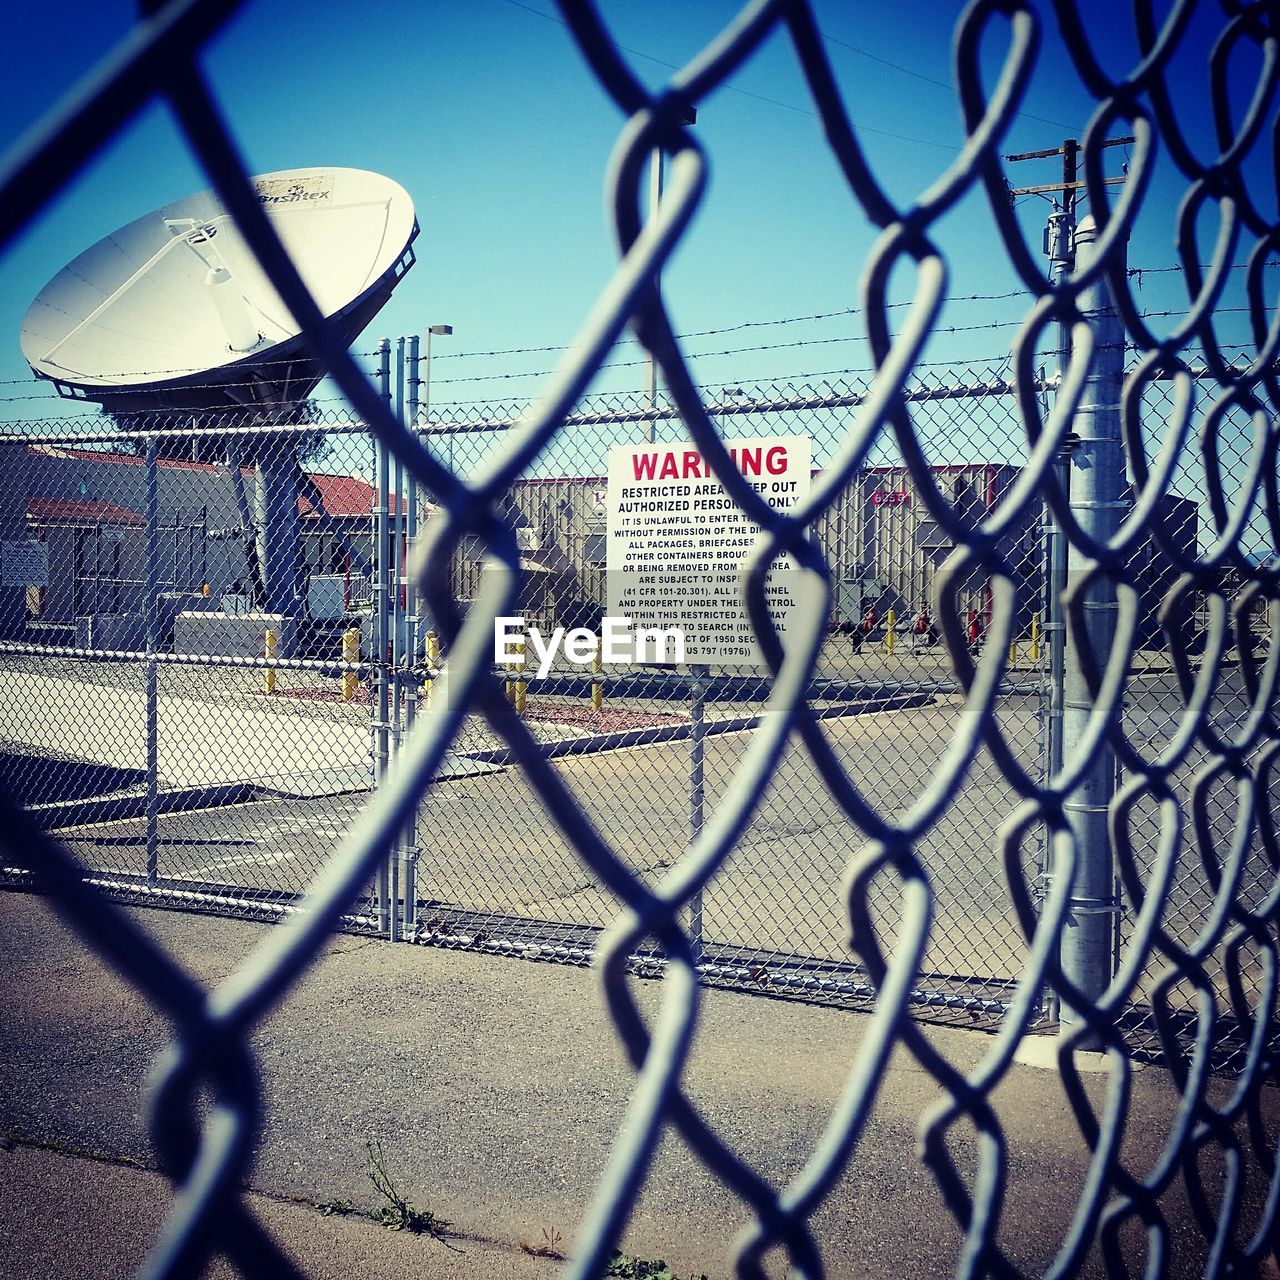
{"x":626,"y":1267}
{"x":548,"y":1247}
{"x":398,"y":1214}
{"x":335,"y":1208}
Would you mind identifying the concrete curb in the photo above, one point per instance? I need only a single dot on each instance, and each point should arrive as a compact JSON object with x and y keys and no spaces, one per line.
{"x":59,"y":814}
{"x":655,"y":735}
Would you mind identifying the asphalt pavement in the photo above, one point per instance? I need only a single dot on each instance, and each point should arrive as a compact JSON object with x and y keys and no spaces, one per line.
{"x":496,"y":1089}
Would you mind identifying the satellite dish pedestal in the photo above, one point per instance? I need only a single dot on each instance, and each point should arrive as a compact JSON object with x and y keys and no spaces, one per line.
{"x":172,"y":314}
{"x":276,"y":516}
{"x":13,"y":538}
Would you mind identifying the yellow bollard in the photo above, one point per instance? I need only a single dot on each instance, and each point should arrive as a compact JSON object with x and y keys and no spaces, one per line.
{"x":1013,"y":653}
{"x":521,"y":687}
{"x":888,"y":631}
{"x":270,"y":648}
{"x":433,"y":660}
{"x":350,"y":653}
{"x":597,"y":685}
{"x":1035,"y":637}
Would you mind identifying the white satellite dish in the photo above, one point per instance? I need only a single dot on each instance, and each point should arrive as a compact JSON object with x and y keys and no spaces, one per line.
{"x":174,"y":312}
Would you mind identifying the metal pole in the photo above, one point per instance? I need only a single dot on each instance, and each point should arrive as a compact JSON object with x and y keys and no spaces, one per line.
{"x":413,"y":624}
{"x":395,"y":567}
{"x":651,"y":380}
{"x":381,"y":583}
{"x":397,"y":561}
{"x":1060,"y":244}
{"x":426,"y":385}
{"x":656,"y":160}
{"x":438,"y":331}
{"x":698,"y":676}
{"x":152,"y":694}
{"x":1097,"y":502}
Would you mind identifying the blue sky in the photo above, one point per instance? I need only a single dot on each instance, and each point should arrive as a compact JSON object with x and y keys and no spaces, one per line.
{"x":486,"y":113}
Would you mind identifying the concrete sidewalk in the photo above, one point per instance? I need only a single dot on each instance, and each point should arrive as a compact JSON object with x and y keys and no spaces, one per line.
{"x":53,"y":1205}
{"x":201,"y":743}
{"x":496,"y":1088}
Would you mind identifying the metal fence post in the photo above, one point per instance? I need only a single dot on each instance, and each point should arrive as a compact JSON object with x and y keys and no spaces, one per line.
{"x":395,"y":579}
{"x":412,"y":642}
{"x":1097,"y":499}
{"x":698,"y":676}
{"x":381,"y":582}
{"x":152,"y":694}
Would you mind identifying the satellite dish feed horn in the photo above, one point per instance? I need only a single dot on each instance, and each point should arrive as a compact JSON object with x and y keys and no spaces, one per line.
{"x":232,"y":309}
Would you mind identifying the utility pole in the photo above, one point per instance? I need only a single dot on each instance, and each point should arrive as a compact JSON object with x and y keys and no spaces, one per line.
{"x":1098,"y":503}
{"x":1091,"y":473}
{"x":1059,"y":248}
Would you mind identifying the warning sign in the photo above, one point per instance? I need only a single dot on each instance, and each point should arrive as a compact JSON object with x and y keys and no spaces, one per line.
{"x":24,"y":564}
{"x":676,"y":542}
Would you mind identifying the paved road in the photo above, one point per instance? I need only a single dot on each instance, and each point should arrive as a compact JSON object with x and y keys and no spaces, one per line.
{"x":489,"y":846}
{"x":497,"y":1089}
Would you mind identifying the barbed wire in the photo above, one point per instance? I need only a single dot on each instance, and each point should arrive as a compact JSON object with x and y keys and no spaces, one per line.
{"x":840,"y":313}
{"x":550,"y":348}
{"x":753,"y":378}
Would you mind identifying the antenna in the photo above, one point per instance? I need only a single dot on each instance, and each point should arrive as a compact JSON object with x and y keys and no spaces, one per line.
{"x":173,"y":313}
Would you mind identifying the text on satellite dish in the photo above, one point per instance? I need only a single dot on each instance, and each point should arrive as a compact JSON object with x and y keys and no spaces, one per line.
{"x":295,"y":190}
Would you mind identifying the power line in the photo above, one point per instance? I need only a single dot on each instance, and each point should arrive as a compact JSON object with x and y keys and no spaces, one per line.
{"x":745,"y":93}
{"x":919,"y":75}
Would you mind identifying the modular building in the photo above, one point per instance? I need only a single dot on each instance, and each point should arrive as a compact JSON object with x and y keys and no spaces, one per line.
{"x":884,"y":546}
{"x":75,"y":538}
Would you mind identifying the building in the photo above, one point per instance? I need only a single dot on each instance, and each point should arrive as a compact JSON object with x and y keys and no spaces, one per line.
{"x":884,"y":545}
{"x":84,"y":512}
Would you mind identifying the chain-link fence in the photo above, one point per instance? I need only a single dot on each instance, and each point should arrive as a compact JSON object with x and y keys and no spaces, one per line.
{"x":214,"y":758}
{"x":183,"y":766}
{"x":147,"y":579}
{"x":648,"y":751}
{"x":1016,"y":761}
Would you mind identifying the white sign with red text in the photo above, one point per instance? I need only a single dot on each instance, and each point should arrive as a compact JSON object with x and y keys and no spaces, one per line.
{"x":676,"y":542}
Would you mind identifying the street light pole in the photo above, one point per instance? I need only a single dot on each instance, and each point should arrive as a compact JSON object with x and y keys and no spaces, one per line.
{"x":418,"y":420}
{"x":439,"y":331}
{"x":656,"y":160}
{"x":655,"y":199}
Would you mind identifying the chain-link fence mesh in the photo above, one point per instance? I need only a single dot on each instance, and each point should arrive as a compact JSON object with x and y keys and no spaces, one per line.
{"x":1016,"y":763}
{"x":259,"y":766}
{"x":153,"y":578}
{"x":629,"y":734}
